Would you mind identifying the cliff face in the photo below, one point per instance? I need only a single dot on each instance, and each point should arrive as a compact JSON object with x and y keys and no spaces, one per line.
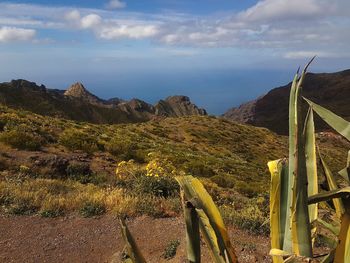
{"x":331,"y":90}
{"x":77,"y":103}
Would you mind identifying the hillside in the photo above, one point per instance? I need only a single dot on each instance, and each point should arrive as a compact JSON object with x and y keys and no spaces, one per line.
{"x":331,"y":90}
{"x":77,"y":103}
{"x":52,"y":166}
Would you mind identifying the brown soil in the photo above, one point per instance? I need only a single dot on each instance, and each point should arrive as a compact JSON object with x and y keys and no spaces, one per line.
{"x":76,"y":239}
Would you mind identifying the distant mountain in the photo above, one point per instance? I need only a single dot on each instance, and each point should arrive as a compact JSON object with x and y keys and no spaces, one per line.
{"x":331,"y":90}
{"x":77,"y":103}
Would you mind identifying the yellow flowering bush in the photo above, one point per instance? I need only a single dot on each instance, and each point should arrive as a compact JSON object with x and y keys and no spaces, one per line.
{"x":126,"y":169}
{"x":160,"y":167}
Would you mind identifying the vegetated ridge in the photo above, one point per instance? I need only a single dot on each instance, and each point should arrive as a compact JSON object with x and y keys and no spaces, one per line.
{"x":77,"y":103}
{"x":331,"y":90}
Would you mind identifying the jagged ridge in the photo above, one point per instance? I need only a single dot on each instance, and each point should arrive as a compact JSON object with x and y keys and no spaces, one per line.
{"x":77,"y":103}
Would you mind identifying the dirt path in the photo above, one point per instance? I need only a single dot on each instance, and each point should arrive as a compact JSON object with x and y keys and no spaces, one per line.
{"x":75,"y":239}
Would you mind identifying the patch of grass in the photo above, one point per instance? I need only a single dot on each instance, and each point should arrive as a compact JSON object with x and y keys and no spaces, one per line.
{"x":170,"y":249}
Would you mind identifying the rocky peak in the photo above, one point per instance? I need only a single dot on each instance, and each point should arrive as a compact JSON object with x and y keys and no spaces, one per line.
{"x":177,"y":106}
{"x":25,"y":84}
{"x":78,"y":90}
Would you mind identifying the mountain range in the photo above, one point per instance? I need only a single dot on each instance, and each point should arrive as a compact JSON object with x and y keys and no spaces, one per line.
{"x":331,"y":90}
{"x":77,"y":103}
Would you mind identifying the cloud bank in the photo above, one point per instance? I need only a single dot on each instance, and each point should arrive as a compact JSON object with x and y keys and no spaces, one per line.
{"x":299,"y":27}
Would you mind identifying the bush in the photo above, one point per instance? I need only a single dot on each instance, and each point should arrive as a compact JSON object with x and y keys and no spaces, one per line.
{"x":249,"y":217}
{"x":125,"y":150}
{"x":199,"y":168}
{"x":223,"y":181}
{"x":74,"y":139}
{"x":22,"y":140}
{"x":92,"y":208}
{"x":158,"y":186}
{"x":249,"y":189}
{"x":170,"y":249}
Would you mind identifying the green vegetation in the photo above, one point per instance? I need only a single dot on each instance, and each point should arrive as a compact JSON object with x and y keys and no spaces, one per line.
{"x":294,"y":197}
{"x":170,"y":249}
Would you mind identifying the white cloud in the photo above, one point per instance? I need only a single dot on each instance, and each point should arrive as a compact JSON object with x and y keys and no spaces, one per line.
{"x":310,"y":54}
{"x":116,"y":4}
{"x":270,"y":10}
{"x":90,"y":21}
{"x":128,"y":31}
{"x":13,"y":34}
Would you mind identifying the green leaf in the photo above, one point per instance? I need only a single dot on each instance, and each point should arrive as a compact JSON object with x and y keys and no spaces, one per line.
{"x":300,"y":222}
{"x":192,"y":231}
{"x":342,"y":252}
{"x":326,"y":196}
{"x":195,"y":193}
{"x":278,"y":203}
{"x":345,"y":173}
{"x":133,"y":251}
{"x":311,"y":165}
{"x":336,"y":122}
{"x":210,"y":237}
{"x":334,"y":229}
{"x":338,"y":204}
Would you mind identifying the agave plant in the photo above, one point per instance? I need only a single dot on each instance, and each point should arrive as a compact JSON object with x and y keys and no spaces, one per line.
{"x":294,"y":188}
{"x":201,"y":215}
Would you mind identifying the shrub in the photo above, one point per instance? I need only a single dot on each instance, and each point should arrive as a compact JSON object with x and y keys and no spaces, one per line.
{"x":125,"y":150}
{"x":22,"y":140}
{"x":158,"y":186}
{"x":92,"y":208}
{"x":74,"y":139}
{"x":223,"y":181}
{"x":79,"y":171}
{"x":199,"y":168}
{"x":170,"y":249}
{"x":249,"y":189}
{"x":249,"y":217}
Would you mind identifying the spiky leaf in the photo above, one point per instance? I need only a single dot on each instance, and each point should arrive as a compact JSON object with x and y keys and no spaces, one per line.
{"x":311,"y":165}
{"x":336,"y":122}
{"x":195,"y":193}
{"x":192,"y":231}
{"x":338,"y":204}
{"x":278,"y":203}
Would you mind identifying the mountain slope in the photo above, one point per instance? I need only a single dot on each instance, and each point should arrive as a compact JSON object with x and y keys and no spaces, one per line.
{"x":331,"y":90}
{"x":77,"y":103}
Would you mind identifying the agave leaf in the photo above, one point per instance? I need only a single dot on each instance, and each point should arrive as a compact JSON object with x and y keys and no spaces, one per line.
{"x":345,"y":173}
{"x":342,"y":252}
{"x":334,"y":229}
{"x":210,"y":237}
{"x":195,"y":193}
{"x":336,"y":122}
{"x":192,"y":231}
{"x":133,"y":251}
{"x":300,"y":222}
{"x":287,"y":242}
{"x":278,"y":203}
{"x":338,"y":193}
{"x":311,"y":165}
{"x":279,"y":252}
{"x":338,"y":204}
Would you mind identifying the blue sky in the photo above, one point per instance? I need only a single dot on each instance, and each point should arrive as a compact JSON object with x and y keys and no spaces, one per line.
{"x":219,"y":52}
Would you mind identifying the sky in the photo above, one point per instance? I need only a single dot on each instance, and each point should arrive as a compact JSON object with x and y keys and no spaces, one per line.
{"x":220,"y":53}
